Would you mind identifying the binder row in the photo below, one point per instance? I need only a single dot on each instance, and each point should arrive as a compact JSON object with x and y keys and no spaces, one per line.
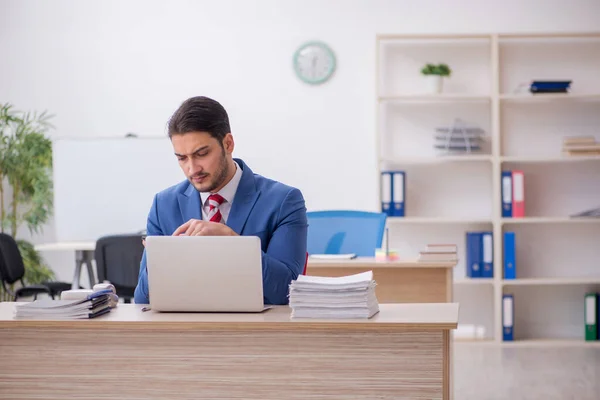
{"x":591,"y":308}
{"x":513,"y":194}
{"x":480,"y":255}
{"x":393,"y":189}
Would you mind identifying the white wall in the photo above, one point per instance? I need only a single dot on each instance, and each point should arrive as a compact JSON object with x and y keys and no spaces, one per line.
{"x":111,"y":67}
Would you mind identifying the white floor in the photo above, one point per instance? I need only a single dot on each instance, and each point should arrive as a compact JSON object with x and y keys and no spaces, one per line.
{"x":493,"y":372}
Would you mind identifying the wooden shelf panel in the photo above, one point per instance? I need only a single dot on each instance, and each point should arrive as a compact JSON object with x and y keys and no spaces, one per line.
{"x":550,"y":281}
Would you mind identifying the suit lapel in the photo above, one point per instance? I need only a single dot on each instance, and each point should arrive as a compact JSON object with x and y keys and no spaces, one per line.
{"x":244,"y":200}
{"x":189,"y":204}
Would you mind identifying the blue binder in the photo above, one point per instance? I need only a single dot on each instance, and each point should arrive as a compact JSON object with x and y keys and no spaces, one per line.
{"x":398,"y":193}
{"x":510,"y":256}
{"x":507,"y":194}
{"x":386,"y":192}
{"x":508,"y":317}
{"x":474,"y":256}
{"x":487,"y":255}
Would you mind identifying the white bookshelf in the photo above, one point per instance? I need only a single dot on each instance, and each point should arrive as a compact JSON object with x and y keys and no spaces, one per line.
{"x":558,"y":257}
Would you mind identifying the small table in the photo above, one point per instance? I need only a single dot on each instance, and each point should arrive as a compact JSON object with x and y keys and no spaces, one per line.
{"x":84,"y":254}
{"x":397,"y":281}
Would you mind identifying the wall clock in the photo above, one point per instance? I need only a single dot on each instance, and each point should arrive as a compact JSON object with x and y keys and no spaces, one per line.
{"x":314,"y":62}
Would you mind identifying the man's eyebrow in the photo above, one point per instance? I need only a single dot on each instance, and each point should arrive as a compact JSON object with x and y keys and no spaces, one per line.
{"x":193,"y":152}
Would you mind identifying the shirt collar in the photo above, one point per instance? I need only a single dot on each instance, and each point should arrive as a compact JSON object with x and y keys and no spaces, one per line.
{"x":228,"y":191}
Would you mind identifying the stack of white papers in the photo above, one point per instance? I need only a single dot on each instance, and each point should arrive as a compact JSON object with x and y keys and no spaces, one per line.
{"x":93,"y":306}
{"x":350,"y":296}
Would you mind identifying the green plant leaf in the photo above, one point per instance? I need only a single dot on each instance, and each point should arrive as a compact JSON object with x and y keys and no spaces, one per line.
{"x":26,"y":166}
{"x":440,"y":69}
{"x":36,"y":270}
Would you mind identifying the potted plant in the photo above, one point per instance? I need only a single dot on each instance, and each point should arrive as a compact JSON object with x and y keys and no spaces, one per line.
{"x":434,"y":75}
{"x":26,"y":193}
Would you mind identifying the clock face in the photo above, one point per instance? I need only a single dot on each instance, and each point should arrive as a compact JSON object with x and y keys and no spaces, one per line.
{"x":314,"y":62}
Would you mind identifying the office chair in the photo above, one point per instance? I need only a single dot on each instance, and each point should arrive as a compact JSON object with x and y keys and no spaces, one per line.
{"x":118,"y":260}
{"x":12,"y":269}
{"x":345,"y":231}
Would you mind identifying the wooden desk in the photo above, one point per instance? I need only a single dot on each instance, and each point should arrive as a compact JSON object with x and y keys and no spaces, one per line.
{"x":402,"y":352}
{"x":397,"y":281}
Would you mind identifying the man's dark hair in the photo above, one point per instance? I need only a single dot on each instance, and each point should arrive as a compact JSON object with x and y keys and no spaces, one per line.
{"x":200,"y":114}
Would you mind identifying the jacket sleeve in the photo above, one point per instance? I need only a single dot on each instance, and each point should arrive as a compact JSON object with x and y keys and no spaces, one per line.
{"x":152,"y":228}
{"x":286,"y":254}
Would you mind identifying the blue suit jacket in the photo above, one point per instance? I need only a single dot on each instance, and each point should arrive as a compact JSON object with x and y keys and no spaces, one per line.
{"x":274,"y":212}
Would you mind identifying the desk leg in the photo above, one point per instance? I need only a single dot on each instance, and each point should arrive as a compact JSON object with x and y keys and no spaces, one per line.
{"x":83,"y":257}
{"x":77,"y":274}
{"x":89,"y":258}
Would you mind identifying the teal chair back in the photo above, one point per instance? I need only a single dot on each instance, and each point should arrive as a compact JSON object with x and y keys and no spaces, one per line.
{"x":345,"y":231}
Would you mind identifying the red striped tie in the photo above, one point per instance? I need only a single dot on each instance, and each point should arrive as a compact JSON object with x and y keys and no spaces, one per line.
{"x":214,"y":201}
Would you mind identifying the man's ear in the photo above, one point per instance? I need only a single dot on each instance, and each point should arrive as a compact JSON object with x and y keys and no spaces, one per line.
{"x":228,"y":143}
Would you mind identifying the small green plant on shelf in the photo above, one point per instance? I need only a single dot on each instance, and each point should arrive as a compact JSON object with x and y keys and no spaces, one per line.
{"x":440,"y":69}
{"x":434,"y":75}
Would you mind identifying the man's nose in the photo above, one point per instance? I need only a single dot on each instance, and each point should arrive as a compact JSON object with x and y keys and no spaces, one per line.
{"x":194,"y":168}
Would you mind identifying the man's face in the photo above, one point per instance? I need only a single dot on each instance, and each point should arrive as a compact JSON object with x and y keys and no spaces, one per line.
{"x":202,"y":159}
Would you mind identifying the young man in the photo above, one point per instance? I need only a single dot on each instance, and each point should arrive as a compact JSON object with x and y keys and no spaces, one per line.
{"x":222,"y":196}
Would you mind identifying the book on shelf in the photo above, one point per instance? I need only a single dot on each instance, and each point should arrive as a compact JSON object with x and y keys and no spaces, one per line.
{"x":580,"y":145}
{"x":92,"y":306}
{"x":550,"y":87}
{"x":591,"y":213}
{"x":441,"y":248}
{"x":351,"y":296}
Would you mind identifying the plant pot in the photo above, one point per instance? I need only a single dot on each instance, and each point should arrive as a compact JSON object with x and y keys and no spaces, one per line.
{"x":434,"y":83}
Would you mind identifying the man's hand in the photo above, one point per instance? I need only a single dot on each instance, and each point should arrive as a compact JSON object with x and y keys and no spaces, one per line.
{"x":196,"y":227}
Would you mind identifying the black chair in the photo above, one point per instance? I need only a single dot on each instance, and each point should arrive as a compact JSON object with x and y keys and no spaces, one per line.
{"x":12,"y":270}
{"x":118,"y":260}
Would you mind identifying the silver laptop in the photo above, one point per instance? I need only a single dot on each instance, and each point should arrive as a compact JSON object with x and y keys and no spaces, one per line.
{"x":204,"y":273}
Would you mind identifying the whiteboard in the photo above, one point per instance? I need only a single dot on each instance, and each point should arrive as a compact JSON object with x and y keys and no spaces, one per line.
{"x":106,"y":186}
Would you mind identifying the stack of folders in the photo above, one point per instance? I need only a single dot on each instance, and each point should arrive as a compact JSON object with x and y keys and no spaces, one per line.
{"x":459,"y":138}
{"x":581,"y":146}
{"x":350,"y":296}
{"x":94,"y":305}
{"x":438,"y":252}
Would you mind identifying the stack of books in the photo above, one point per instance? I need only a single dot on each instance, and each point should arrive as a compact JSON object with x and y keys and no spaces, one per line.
{"x":538,"y":87}
{"x":92,"y":306}
{"x":581,"y":145}
{"x":439,"y":252}
{"x":350,"y":296}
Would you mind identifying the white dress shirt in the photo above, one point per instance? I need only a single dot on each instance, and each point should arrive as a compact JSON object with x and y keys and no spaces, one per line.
{"x":227,"y":192}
